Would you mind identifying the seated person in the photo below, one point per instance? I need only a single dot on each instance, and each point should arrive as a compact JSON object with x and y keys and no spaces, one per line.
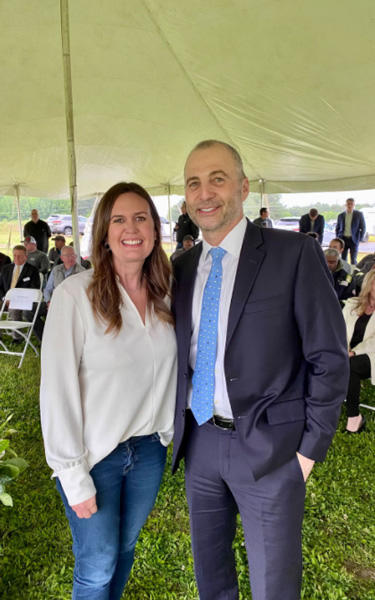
{"x":342,"y":281}
{"x":4,"y":260}
{"x":59,"y":273}
{"x":187,"y":243}
{"x":85,"y":263}
{"x":360,"y":328}
{"x":35,"y":257}
{"x":54,"y":253}
{"x":339,"y":245}
{"x":264,"y":218}
{"x":20,"y":274}
{"x":366,"y":264}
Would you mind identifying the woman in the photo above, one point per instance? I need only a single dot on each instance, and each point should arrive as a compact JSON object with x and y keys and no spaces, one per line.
{"x":108,"y":389}
{"x":360,"y":329}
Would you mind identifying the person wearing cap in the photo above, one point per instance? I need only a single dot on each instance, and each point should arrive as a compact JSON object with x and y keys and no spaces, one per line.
{"x":39,"y":230}
{"x":188,"y":242}
{"x":61,"y":271}
{"x":55,"y":253}
{"x":35,"y":257}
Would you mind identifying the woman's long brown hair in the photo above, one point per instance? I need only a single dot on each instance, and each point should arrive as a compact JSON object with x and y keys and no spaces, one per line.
{"x":103,"y":291}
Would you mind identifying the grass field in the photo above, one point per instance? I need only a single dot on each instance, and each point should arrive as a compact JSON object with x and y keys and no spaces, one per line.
{"x":36,"y":561}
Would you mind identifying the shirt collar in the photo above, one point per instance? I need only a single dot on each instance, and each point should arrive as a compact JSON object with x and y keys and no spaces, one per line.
{"x":232,"y":242}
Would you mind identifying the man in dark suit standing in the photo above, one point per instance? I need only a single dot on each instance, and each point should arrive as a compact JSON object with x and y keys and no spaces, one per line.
{"x":312,"y":222}
{"x":263,"y":370}
{"x":351,"y":227}
{"x":19,"y":274}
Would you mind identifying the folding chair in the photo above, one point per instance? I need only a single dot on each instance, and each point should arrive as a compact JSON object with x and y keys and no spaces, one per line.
{"x":22,"y":328}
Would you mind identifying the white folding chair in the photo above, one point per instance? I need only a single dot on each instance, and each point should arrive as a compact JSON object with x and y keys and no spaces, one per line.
{"x":22,"y":328}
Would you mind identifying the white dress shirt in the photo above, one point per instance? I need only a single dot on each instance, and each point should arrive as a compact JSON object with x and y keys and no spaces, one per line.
{"x":232,"y":243}
{"x":100,"y":389}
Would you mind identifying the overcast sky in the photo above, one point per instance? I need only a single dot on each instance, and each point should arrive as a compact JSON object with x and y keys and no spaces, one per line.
{"x":361,"y":197}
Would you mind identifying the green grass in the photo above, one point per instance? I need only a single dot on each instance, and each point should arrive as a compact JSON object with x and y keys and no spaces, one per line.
{"x":36,"y":560}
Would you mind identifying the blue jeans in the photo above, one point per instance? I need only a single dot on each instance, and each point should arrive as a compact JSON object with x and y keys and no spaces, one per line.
{"x":127,"y":482}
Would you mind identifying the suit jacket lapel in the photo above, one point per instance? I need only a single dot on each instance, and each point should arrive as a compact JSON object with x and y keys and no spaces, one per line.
{"x":251,"y":258}
{"x":184,"y":296}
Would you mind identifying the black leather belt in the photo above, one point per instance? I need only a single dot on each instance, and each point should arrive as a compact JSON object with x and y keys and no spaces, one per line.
{"x":222,"y":422}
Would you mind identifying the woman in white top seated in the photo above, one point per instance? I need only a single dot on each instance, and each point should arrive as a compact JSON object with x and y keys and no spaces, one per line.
{"x":360,"y":329}
{"x":108,"y":389}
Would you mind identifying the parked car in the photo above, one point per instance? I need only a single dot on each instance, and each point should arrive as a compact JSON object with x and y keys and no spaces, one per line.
{"x":289,"y":223}
{"x":63,"y":224}
{"x":165,"y":228}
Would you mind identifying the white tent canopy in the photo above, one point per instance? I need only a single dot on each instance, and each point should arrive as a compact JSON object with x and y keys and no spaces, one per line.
{"x":290,"y":84}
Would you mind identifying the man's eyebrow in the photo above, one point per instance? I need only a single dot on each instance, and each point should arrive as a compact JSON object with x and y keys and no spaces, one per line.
{"x":212,"y":174}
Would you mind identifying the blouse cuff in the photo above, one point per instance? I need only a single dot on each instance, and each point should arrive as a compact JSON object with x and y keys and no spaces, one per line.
{"x":77,"y":483}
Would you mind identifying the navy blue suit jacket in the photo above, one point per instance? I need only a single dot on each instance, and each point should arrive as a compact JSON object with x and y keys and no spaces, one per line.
{"x":286,"y":361}
{"x":358,"y":227}
{"x":318,"y":227}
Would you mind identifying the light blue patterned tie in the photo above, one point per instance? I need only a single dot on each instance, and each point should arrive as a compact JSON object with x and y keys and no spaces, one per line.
{"x":202,"y":404}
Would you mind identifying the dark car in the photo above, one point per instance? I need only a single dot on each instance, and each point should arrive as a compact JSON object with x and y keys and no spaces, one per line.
{"x":63,"y":224}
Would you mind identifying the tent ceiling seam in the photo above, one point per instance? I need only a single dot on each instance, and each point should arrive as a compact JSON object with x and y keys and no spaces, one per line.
{"x":191,"y":81}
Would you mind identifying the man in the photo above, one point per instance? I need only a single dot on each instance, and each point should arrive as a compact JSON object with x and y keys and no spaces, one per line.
{"x":343,"y":282}
{"x":187,"y":243}
{"x":4,"y":260}
{"x":185,"y":226}
{"x":262,"y":376}
{"x":351,"y":227}
{"x":339,"y":245}
{"x":35,"y":257}
{"x":20,"y":274}
{"x":55,"y":253}
{"x":264,"y":218}
{"x":39,"y":230}
{"x":312,"y":221}
{"x":59,"y":273}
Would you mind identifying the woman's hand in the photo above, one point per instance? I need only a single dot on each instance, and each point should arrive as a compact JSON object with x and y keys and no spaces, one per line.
{"x":85,"y":509}
{"x":351,"y":353}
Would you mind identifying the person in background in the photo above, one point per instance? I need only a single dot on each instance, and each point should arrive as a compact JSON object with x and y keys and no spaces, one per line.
{"x":185,"y":226}
{"x":35,"y":257}
{"x":351,"y":227}
{"x":85,"y":263}
{"x":106,"y":426}
{"x":20,"y":274}
{"x":339,"y":245}
{"x":360,"y":329}
{"x":261,"y":378}
{"x":187,"y":243}
{"x":39,"y":230}
{"x":264,"y":218}
{"x":4,"y":260}
{"x":55,"y":253}
{"x":342,"y":281}
{"x":59,"y":273}
{"x":314,"y":222}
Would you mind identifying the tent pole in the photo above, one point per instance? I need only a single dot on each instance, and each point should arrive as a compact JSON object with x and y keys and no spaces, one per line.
{"x":69,"y":116}
{"x":17,"y":189}
{"x":170,"y":217}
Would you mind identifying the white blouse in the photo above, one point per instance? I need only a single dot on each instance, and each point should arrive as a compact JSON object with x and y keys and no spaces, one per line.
{"x":99,"y":389}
